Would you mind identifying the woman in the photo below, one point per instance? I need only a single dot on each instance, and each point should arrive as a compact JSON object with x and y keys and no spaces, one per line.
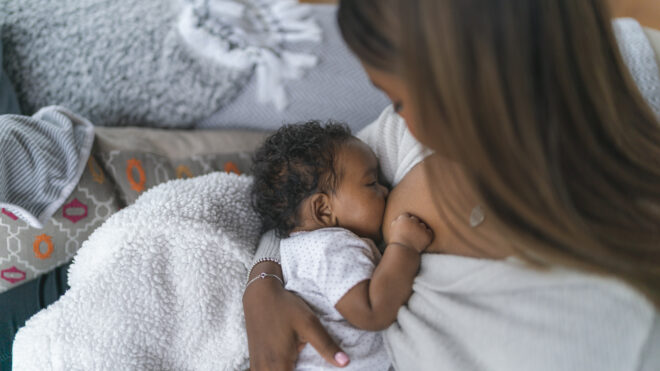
{"x":544,"y":192}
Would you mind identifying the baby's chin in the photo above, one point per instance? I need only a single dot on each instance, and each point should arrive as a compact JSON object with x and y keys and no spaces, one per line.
{"x":378,"y":238}
{"x":375,"y":236}
{"x":383,"y":233}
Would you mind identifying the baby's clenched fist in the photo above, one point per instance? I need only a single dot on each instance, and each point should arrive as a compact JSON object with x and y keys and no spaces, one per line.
{"x":409,"y":230}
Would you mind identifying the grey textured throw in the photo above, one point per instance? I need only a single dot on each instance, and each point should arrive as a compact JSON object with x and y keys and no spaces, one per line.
{"x":116,"y":62}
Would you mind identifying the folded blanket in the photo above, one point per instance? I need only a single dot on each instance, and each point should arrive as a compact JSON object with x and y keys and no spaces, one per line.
{"x":41,"y":160}
{"x":157,"y":287}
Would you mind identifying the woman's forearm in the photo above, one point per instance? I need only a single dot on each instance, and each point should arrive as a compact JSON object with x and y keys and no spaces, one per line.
{"x":276,"y":319}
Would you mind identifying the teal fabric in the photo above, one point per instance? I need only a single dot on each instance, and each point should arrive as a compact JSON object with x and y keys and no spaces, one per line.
{"x":19,"y":304}
{"x":8,"y":101}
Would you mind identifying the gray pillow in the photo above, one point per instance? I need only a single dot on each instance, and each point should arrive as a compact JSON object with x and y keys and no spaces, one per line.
{"x":125,"y":163}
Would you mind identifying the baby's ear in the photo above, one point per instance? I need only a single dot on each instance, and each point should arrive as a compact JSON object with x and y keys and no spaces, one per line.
{"x":322,"y":210}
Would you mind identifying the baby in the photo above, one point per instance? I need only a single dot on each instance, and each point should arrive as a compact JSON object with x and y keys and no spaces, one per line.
{"x":317,"y":186}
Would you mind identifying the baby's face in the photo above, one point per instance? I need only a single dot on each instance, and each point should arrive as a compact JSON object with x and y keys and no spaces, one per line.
{"x":359,"y":200}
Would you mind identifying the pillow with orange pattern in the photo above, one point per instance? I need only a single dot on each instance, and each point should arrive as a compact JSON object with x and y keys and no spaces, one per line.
{"x":125,"y":162}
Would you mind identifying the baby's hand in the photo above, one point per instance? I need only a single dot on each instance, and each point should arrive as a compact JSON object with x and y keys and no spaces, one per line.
{"x":408,"y":230}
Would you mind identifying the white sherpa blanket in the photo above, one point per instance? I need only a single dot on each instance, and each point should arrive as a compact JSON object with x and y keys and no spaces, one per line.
{"x":157,"y":287}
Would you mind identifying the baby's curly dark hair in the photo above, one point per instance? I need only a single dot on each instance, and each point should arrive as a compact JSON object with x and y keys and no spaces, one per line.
{"x":292,"y":164}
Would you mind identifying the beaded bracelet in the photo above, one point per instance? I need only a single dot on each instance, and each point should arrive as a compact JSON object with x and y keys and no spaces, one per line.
{"x":262,"y":276}
{"x":261,"y":260}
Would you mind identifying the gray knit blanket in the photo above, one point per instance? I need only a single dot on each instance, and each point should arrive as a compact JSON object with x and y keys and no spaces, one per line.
{"x":122,"y":62}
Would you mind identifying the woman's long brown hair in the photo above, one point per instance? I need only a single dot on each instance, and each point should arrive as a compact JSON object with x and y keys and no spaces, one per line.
{"x":532,"y":97}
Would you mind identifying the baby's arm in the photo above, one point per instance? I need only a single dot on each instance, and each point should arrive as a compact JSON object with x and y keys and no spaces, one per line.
{"x":373,"y":304}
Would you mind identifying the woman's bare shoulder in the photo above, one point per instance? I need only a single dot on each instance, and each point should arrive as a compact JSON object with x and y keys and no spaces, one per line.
{"x":448,"y":216}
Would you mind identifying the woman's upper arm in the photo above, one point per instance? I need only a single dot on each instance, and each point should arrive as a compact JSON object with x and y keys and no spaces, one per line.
{"x":397,"y":150}
{"x":381,"y":136}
